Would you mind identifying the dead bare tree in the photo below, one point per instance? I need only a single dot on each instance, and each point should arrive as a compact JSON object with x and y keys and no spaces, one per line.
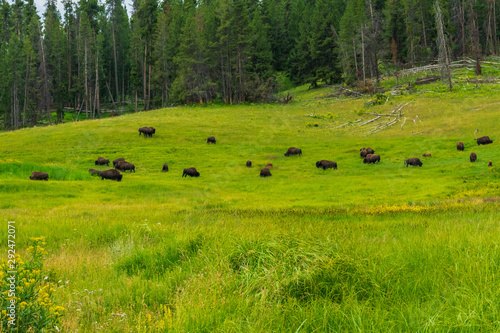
{"x":444,"y":59}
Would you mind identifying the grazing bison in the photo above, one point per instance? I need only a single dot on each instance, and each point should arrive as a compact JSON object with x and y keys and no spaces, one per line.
{"x":460,"y":146}
{"x":165,"y":168}
{"x":293,"y":151}
{"x":324,"y":164}
{"x":490,"y":163}
{"x":94,"y":172}
{"x":118,"y":160}
{"x":112,"y":174}
{"x":102,"y":161}
{"x":269,"y":165}
{"x":147,"y":131}
{"x":190,"y":172}
{"x":365,"y":151}
{"x":211,"y":140}
{"x":473,"y":157}
{"x":413,"y":161}
{"x":427,"y":155}
{"x":39,"y":176}
{"x":249,"y":163}
{"x":265,"y":172}
{"x":371,"y":158}
{"x":483,"y":140}
{"x":125,"y":166}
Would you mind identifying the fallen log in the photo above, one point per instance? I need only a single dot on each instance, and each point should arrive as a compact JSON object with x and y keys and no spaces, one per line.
{"x":369,"y":121}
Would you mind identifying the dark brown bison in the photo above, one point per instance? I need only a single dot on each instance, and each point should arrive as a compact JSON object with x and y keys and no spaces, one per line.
{"x":483,"y":140}
{"x":147,"y":131}
{"x":249,"y":163}
{"x":211,"y":140}
{"x":269,"y":165}
{"x":265,"y":172}
{"x":293,"y":151}
{"x":102,"y":161}
{"x":118,"y":160}
{"x":125,"y":166}
{"x":371,"y":158}
{"x":94,"y":172}
{"x":413,"y":161}
{"x":473,"y":157}
{"x":490,"y":163}
{"x":165,"y":168}
{"x":460,"y":146}
{"x":191,"y":172}
{"x":112,"y":174}
{"x":365,"y":151}
{"x":427,"y":155}
{"x":39,"y":176}
{"x":324,"y":164}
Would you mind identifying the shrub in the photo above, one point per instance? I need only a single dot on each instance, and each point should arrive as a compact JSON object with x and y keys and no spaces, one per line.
{"x":35,"y":306}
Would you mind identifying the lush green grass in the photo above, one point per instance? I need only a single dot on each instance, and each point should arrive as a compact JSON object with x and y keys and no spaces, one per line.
{"x":362,"y":248}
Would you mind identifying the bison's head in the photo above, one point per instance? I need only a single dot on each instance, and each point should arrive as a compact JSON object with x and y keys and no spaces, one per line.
{"x":318,"y":164}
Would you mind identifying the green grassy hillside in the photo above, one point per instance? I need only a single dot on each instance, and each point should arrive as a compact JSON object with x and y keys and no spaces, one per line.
{"x":362,"y":248}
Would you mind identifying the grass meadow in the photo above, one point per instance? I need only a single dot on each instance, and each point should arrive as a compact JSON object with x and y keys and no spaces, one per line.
{"x":365,"y":248}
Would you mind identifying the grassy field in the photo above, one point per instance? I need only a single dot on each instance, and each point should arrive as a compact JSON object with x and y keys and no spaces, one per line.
{"x":365,"y":248}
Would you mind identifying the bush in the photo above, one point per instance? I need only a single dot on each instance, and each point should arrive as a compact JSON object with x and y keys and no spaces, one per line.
{"x":35,"y":306}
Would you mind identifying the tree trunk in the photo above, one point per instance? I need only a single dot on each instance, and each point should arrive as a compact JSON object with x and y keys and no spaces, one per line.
{"x":116,"y":61}
{"x":86,"y":83}
{"x":144,"y":75}
{"x":355,"y":57}
{"x":98,"y":106}
{"x":423,"y":23}
{"x":363,"y":54}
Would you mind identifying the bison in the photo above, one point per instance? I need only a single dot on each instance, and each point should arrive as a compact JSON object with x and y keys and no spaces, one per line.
{"x":165,"y":168}
{"x":365,"y":151}
{"x":102,"y":161}
{"x":39,"y":176}
{"x":427,"y":155}
{"x":118,"y":160}
{"x":473,"y":157}
{"x":293,"y":151}
{"x":324,"y":164}
{"x":265,"y":172}
{"x":125,"y":166}
{"x":413,"y":161}
{"x":269,"y":165}
{"x":191,"y":172}
{"x":490,"y":163}
{"x":483,"y":140}
{"x":211,"y":140}
{"x":371,"y":158}
{"x":460,"y":146}
{"x":147,"y":131}
{"x":94,"y":172}
{"x":249,"y":164}
{"x":112,"y":174}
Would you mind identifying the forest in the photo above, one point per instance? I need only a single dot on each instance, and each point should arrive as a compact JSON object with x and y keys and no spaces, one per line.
{"x":94,"y":58}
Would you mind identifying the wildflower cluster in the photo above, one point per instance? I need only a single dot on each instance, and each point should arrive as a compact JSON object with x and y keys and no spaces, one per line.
{"x":36,"y":310}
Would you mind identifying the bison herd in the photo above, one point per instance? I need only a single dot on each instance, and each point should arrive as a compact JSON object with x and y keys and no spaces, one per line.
{"x":367,"y":154}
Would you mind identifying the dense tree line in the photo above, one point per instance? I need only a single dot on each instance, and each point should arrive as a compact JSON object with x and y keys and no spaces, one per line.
{"x":225,"y":50}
